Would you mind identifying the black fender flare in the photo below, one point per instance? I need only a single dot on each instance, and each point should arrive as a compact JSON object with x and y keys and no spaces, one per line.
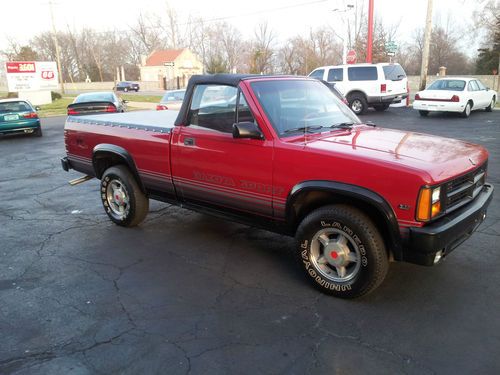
{"x":119,"y":152}
{"x":359,"y":193}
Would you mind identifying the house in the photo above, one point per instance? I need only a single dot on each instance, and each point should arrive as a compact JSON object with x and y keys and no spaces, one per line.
{"x":171,"y":68}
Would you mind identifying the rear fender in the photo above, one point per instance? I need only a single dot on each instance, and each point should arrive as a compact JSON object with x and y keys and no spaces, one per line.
{"x":106,"y":155}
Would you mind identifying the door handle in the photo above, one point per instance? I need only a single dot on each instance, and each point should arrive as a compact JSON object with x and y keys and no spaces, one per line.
{"x":189,"y":141}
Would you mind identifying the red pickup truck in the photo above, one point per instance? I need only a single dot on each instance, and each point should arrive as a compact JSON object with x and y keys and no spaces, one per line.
{"x":284,"y":153}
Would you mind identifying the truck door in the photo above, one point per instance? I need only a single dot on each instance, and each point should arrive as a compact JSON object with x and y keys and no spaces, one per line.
{"x":211,"y":167}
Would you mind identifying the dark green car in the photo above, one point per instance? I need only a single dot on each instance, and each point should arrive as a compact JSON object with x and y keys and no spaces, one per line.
{"x":18,"y":116}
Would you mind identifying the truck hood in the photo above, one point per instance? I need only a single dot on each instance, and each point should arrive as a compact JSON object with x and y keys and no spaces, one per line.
{"x":440,"y":158}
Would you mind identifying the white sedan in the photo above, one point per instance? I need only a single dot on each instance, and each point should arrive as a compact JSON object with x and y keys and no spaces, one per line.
{"x":455,"y":94}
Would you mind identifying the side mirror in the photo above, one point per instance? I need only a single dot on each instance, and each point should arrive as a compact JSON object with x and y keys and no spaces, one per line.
{"x":247,"y":129}
{"x":37,"y":108}
{"x":487,"y":89}
{"x":125,"y":101}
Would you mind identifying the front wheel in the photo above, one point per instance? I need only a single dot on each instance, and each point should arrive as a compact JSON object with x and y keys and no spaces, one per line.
{"x":123,"y":200}
{"x":341,"y":251}
{"x":424,"y":113}
{"x":492,"y":105}
{"x":357,"y":103}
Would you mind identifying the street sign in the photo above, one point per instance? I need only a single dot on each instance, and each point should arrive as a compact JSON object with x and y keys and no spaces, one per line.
{"x":169,"y":63}
{"x":391,"y":47}
{"x":31,"y":76}
{"x":351,"y":57}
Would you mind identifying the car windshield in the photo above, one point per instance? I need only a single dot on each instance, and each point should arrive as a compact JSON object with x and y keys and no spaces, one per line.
{"x":7,"y":107}
{"x":95,"y":97}
{"x":173,"y":96}
{"x":300,"y":106}
{"x":447,"y":84}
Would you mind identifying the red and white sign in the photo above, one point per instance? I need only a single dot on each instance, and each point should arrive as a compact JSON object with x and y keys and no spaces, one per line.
{"x":31,"y":76}
{"x":351,"y":57}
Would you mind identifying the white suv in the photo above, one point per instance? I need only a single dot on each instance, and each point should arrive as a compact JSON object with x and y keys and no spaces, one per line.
{"x":367,"y":85}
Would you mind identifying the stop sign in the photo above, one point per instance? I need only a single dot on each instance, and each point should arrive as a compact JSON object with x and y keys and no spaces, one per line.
{"x":351,"y":57}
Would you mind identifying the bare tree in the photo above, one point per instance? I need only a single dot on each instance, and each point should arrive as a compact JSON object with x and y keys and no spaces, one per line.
{"x":262,"y":50}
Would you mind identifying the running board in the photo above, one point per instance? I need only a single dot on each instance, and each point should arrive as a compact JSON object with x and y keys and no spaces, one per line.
{"x":80,"y":180}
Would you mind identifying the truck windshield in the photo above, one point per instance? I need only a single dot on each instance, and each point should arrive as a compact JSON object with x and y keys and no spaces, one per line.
{"x":300,"y":106}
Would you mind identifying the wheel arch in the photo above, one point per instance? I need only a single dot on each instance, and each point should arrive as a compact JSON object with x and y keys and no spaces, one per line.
{"x":356,"y":91}
{"x":107,"y":155}
{"x":310,"y":195}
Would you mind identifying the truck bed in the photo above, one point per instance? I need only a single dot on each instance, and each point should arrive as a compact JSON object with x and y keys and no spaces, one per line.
{"x":158,"y":121}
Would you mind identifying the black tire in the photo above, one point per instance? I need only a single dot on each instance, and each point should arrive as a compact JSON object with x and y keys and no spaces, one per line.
{"x":492,"y":104}
{"x":381,"y":107}
{"x":367,"y":265}
{"x":467,"y":110}
{"x":38,"y":132}
{"x":357,"y":103}
{"x":136,"y":90}
{"x":119,"y":180}
{"x":424,"y":113}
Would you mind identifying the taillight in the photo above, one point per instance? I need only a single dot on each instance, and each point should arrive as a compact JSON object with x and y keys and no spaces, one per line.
{"x":455,"y":98}
{"x":383,"y":88}
{"x":161,"y":107}
{"x":30,"y":115}
{"x":72,"y":111}
{"x":344,"y":100}
{"x":110,"y":108}
{"x":417,"y":97}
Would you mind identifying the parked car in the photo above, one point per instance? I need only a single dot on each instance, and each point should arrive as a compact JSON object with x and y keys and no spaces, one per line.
{"x":367,"y":85}
{"x":283,"y":153}
{"x":171,"y":100}
{"x":127,"y":86}
{"x":455,"y":94}
{"x":97,"y":102}
{"x":19,"y":116}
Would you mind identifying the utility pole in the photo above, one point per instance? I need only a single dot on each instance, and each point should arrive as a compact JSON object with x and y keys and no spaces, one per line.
{"x":58,"y":51}
{"x":427,"y":42}
{"x":369,"y":45}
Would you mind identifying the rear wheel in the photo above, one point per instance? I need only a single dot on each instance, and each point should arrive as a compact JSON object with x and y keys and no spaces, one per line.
{"x":492,"y":104}
{"x":341,"y":251}
{"x":38,"y":132}
{"x":357,"y":103}
{"x":381,"y":107}
{"x":467,"y":110}
{"x":123,"y":200}
{"x":423,"y":113}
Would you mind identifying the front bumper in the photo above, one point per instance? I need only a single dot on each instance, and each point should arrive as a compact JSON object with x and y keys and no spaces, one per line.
{"x":422,"y":244}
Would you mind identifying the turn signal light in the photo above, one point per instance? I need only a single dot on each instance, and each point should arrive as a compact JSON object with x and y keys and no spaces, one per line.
{"x":417,"y":97}
{"x":429,"y":204}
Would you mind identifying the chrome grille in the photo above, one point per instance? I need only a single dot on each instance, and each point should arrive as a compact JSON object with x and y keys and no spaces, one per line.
{"x":465,"y":188}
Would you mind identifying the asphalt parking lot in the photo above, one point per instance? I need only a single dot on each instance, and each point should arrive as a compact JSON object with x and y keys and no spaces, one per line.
{"x":187,"y":293}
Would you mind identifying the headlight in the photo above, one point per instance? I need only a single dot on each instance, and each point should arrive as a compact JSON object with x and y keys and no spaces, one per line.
{"x":429,"y":203}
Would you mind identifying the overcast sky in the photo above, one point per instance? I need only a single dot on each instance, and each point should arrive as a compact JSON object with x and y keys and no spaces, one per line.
{"x":22,"y":20}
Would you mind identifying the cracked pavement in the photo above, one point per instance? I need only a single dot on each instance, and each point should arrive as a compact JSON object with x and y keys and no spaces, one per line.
{"x":185,"y":293}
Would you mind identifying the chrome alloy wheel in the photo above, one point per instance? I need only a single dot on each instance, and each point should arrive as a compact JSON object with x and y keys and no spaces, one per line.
{"x":335,"y":255}
{"x":356,"y":105}
{"x":118,"y":198}
{"x":467,"y":109}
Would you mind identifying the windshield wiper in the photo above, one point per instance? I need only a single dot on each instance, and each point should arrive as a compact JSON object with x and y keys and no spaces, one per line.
{"x":303,"y":129}
{"x":342,"y":125}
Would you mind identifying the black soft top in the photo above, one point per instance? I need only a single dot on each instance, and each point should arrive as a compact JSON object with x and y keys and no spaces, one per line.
{"x":214,"y":79}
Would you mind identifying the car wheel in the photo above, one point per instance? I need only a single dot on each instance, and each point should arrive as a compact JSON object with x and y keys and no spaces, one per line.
{"x":136,"y":90}
{"x":467,"y":110}
{"x":38,"y":132}
{"x":357,"y":103}
{"x":423,"y":113}
{"x":123,"y":200}
{"x":492,"y":104}
{"x":381,"y":107}
{"x":341,"y":251}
